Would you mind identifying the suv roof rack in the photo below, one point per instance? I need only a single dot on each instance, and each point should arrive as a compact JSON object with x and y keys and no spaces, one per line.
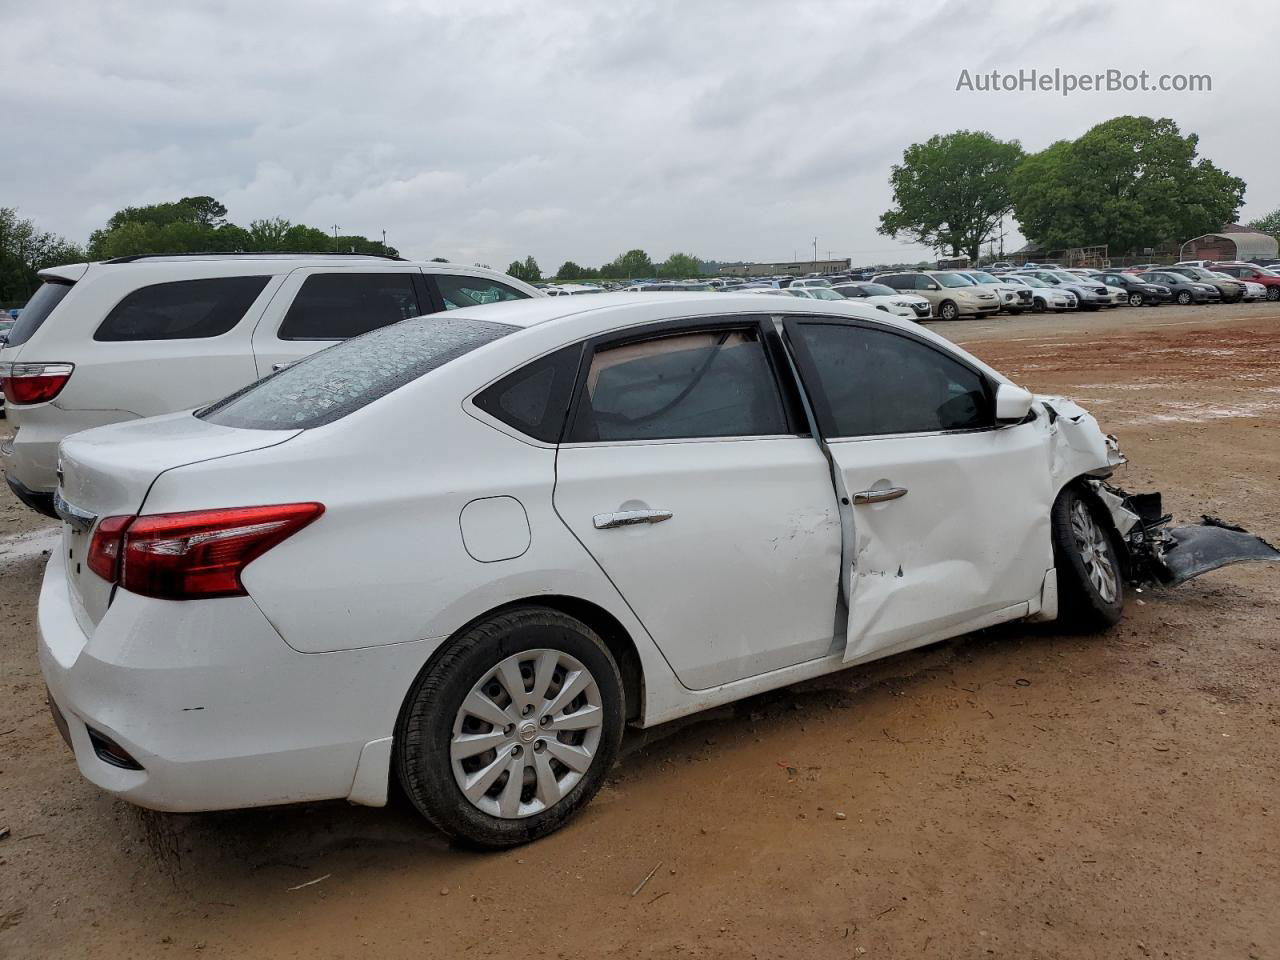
{"x":131,"y":258}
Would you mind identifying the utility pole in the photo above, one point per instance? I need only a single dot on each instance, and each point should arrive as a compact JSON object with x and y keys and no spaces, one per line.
{"x":384,"y":241}
{"x":335,"y":238}
{"x":815,"y":254}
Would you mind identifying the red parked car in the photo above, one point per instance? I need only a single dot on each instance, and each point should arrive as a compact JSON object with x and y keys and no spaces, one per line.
{"x":1254,"y":274}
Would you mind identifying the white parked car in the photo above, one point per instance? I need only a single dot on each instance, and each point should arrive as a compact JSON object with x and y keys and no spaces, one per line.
{"x":896,"y":302}
{"x":463,"y":551}
{"x":138,"y":336}
{"x":571,"y":289}
{"x":811,"y":282}
{"x":1012,"y":297}
{"x":1044,"y":296}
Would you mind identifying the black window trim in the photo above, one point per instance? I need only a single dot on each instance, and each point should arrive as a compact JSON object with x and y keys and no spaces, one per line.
{"x":817,"y":398}
{"x":775,"y":355}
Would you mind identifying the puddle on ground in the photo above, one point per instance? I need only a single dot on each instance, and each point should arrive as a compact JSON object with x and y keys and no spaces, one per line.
{"x":23,"y":546}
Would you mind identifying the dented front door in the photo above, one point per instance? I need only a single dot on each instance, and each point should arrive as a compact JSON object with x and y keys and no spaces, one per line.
{"x":947,"y":513}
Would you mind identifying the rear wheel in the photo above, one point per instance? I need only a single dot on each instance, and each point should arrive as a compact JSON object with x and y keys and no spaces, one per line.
{"x":1135,"y":299}
{"x":513,"y":730}
{"x":1273,"y":293}
{"x":1090,"y":586}
{"x":1184,"y":298}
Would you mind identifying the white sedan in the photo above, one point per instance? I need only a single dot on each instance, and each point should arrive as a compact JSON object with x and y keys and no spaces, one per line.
{"x":900,"y":303}
{"x":462,"y":552}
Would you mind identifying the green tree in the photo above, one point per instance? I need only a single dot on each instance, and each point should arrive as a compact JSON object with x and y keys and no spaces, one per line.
{"x":569,"y":271}
{"x":268,"y":234}
{"x":1270,"y":224}
{"x":679,"y":266}
{"x":25,"y":249}
{"x":206,"y":210}
{"x":1129,"y":183}
{"x":633,"y":263}
{"x":532,"y":272}
{"x":951,"y":191}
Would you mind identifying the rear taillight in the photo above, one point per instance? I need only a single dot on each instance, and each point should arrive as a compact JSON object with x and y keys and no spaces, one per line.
{"x":104,"y":548}
{"x":195,"y":555}
{"x":29,"y":383}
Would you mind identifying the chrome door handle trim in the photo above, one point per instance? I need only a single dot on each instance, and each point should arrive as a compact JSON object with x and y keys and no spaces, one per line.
{"x":628,"y":518}
{"x":879,"y":496}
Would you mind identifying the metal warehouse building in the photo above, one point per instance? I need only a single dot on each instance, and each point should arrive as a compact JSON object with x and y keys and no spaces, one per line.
{"x":795,"y":268}
{"x":1233,"y":243}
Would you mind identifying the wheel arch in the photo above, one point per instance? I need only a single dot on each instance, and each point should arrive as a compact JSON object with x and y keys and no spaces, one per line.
{"x":1080,"y":484}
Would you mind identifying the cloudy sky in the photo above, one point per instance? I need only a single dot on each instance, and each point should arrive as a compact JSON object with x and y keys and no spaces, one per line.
{"x":486,"y":130}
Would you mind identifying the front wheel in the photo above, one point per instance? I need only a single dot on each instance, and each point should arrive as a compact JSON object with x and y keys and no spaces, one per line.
{"x":514,"y":730}
{"x":1273,"y":294}
{"x":1038,"y":305}
{"x":1184,"y":298}
{"x":1090,"y":587}
{"x":1135,"y":299}
{"x":948,"y":311}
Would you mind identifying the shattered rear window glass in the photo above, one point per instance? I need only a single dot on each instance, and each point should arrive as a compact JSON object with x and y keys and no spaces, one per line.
{"x":332,"y":383}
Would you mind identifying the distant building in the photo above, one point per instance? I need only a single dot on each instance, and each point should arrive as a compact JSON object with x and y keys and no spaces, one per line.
{"x":796,"y":268}
{"x":1234,"y":242}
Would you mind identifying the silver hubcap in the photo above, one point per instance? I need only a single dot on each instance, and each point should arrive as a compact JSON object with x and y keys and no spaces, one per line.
{"x":1135,"y":299}
{"x":526,"y":733}
{"x":1094,"y":552}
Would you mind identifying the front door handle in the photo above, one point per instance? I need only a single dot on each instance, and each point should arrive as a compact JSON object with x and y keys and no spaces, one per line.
{"x":879,"y":496}
{"x":628,"y":518}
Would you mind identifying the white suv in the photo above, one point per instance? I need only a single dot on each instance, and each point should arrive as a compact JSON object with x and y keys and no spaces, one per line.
{"x":139,"y":336}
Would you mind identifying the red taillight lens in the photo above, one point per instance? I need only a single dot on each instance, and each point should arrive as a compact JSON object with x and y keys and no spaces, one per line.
{"x":28,"y":383}
{"x":104,"y":548}
{"x":188,"y":556}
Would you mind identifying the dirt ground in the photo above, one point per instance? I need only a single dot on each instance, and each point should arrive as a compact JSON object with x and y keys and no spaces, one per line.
{"x":1016,"y":793}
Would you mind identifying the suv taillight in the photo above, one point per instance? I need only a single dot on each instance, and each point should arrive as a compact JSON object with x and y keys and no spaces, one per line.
{"x":25,"y":384}
{"x":195,"y":555}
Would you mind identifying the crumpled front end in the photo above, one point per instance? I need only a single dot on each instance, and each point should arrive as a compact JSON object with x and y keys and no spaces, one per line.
{"x":1158,"y":553}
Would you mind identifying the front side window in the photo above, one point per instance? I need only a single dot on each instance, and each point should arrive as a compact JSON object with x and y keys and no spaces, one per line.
{"x":953,"y":280}
{"x":182,"y":310}
{"x":332,"y":383}
{"x":338,"y":306}
{"x":716,"y":383}
{"x":474,"y":291}
{"x":876,"y":382}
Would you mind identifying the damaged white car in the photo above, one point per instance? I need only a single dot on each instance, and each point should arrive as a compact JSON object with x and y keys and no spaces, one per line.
{"x":460,"y":553}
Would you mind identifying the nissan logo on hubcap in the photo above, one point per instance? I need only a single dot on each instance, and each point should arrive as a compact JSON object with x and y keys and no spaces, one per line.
{"x":528,"y":730}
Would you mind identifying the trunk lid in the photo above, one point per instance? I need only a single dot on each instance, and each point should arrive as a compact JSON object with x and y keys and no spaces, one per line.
{"x":108,"y":471}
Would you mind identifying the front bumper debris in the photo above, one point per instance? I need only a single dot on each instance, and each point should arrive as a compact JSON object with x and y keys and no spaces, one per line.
{"x":1168,"y":556}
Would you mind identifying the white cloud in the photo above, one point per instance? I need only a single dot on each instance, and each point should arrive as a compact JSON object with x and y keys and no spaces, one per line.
{"x":490,"y":129}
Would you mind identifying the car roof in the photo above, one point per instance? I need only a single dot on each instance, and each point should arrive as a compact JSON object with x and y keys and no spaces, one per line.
{"x":611,"y":309}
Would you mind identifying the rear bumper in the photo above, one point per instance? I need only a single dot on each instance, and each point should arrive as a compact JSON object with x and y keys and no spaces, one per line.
{"x":217,"y":710}
{"x":39,"y":502}
{"x":31,"y":458}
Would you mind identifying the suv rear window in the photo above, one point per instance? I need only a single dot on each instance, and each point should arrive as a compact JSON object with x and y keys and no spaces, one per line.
{"x":328,"y":385}
{"x":181,"y":310}
{"x":38,"y":309}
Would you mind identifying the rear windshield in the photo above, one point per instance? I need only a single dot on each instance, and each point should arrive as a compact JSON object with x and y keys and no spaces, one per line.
{"x":37,"y":309}
{"x":328,"y":385}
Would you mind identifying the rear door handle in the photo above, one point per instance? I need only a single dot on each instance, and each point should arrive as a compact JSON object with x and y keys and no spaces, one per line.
{"x":629,"y":518}
{"x":879,"y":496}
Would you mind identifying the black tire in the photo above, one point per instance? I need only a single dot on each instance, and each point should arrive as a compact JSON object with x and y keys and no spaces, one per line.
{"x":1273,"y":294}
{"x":948,"y":311}
{"x":1184,"y":298}
{"x":1136,"y":300}
{"x":1038,"y":305}
{"x":425,"y":729}
{"x":1081,"y":605}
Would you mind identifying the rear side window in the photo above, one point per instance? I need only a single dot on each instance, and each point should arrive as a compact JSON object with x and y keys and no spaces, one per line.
{"x":182,"y":310}
{"x":338,"y":306}
{"x":535,"y":399}
{"x":38,"y":309}
{"x":712,"y":384}
{"x":874,"y":382}
{"x":473,"y":291}
{"x":328,"y":385}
